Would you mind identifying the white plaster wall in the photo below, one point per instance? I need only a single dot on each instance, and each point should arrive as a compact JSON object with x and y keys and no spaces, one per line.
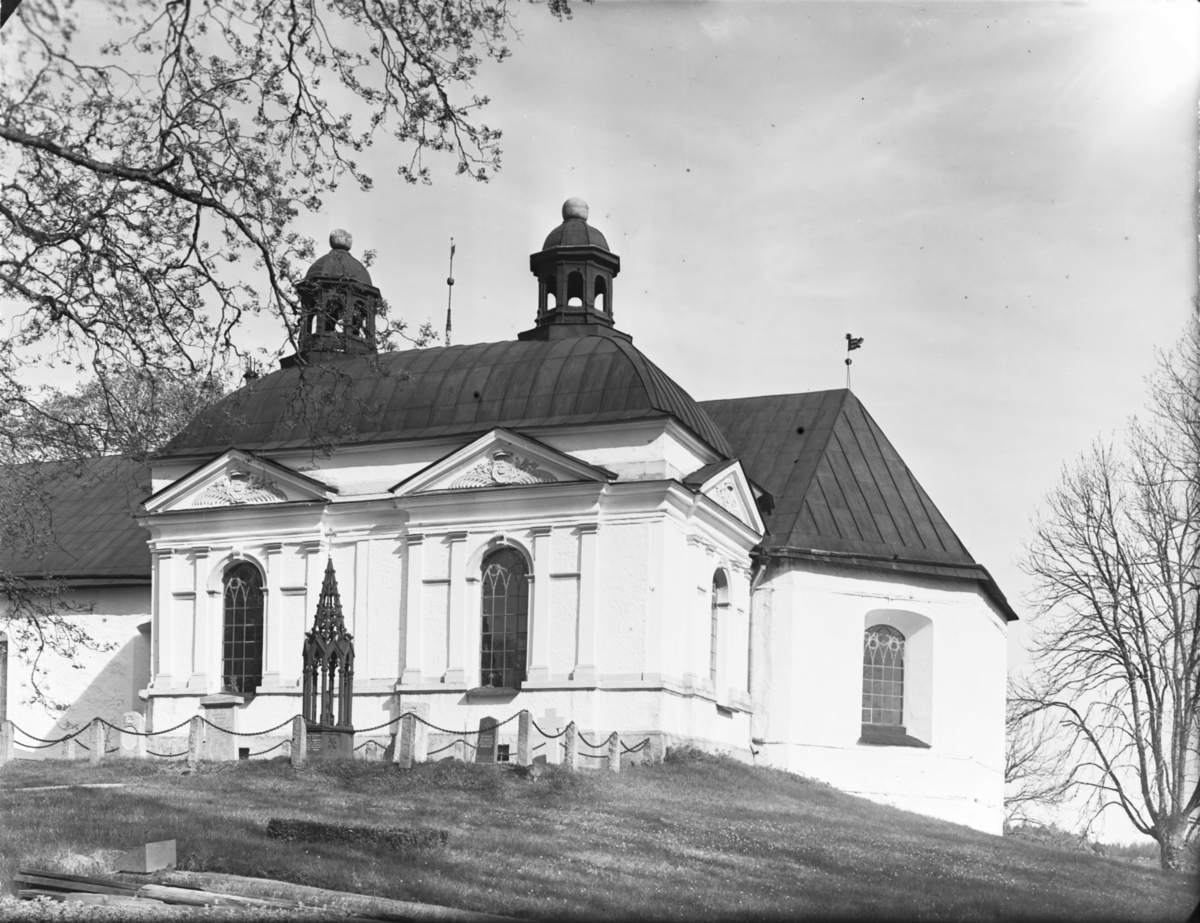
{"x":436,"y":600}
{"x":810,"y":646}
{"x":622,"y":590}
{"x":564,"y":628}
{"x":103,"y":682}
{"x":383,"y":606}
{"x":650,"y":449}
{"x":678,"y":593}
{"x":646,"y":450}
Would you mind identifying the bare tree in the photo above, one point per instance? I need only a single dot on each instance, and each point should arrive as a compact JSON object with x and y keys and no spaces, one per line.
{"x":149,"y":181}
{"x":1116,"y":562}
{"x":1035,"y":763}
{"x":153,"y":158}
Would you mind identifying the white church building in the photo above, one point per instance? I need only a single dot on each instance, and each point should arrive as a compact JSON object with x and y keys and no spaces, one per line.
{"x":548,"y":523}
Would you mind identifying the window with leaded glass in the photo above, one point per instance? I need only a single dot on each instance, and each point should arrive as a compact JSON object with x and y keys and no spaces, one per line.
{"x":242,"y":649}
{"x":505,"y":630}
{"x":883,"y":677}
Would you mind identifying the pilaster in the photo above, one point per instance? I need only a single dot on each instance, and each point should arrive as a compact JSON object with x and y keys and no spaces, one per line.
{"x":657,"y":576}
{"x":362,"y":628}
{"x":162,"y":616}
{"x":272,"y":614}
{"x":456,"y":634}
{"x":206,"y":640}
{"x":414,"y":628}
{"x":539,"y":622}
{"x":585,"y":669}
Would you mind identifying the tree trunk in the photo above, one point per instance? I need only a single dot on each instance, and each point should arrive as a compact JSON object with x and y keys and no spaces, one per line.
{"x":1172,"y":849}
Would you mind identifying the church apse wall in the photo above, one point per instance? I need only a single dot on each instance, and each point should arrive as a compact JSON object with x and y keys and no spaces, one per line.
{"x":909,"y":675}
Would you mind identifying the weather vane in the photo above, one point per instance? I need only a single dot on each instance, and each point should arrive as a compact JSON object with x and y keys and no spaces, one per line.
{"x":852,"y":342}
{"x":449,"y":290}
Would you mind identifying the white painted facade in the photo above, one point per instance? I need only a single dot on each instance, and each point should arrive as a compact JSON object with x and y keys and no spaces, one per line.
{"x":621,"y":577}
{"x":622,"y":558}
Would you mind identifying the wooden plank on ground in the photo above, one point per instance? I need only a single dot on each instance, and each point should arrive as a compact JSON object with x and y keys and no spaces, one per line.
{"x":358,"y":904}
{"x":80,"y":879}
{"x":201,"y":898}
{"x":60,"y":884}
{"x":106,"y":900}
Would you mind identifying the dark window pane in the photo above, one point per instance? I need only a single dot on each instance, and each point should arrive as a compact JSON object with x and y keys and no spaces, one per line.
{"x":242,"y":642}
{"x":505,"y":610}
{"x":883,"y":676}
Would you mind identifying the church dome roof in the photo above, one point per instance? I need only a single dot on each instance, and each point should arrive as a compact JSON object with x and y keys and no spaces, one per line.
{"x":448,"y":391}
{"x":338,"y":263}
{"x":575,"y":231}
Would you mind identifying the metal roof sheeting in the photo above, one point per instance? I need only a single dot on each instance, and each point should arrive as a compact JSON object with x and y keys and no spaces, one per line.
{"x":841,"y":491}
{"x":455,"y":390}
{"x":93,"y":533}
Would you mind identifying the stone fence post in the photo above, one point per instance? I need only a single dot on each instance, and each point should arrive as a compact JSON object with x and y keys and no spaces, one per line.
{"x":405,"y":749}
{"x":299,"y":751}
{"x":195,"y":741}
{"x":99,"y":740}
{"x":69,"y":750}
{"x":524,"y":758}
{"x":7,"y":733}
{"x":614,"y":752}
{"x":133,"y":744}
{"x":571,"y":755}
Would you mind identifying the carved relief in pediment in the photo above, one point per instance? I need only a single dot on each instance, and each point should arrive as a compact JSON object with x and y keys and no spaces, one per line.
{"x":724,"y":494}
{"x":501,"y":468}
{"x":239,"y":487}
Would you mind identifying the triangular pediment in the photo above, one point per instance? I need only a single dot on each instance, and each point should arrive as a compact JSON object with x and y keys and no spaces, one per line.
{"x":726,"y":485}
{"x":501,"y":459}
{"x":237,"y":478}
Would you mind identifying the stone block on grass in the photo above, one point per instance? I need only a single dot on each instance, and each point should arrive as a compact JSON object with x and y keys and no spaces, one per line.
{"x":149,"y":857}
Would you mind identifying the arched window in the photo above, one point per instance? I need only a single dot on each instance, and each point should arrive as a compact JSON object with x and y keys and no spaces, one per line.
{"x":575,"y":290}
{"x":242,"y":652}
{"x":505,"y":631}
{"x":551,"y":285}
{"x":600,"y":296}
{"x":333,"y":314}
{"x":883,"y":677}
{"x":720,"y":599}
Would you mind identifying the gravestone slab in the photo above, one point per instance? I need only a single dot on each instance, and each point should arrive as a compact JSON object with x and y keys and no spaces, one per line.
{"x":330,"y":742}
{"x":221,"y":711}
{"x":552,"y":750}
{"x":133,"y":744}
{"x":488,"y":741}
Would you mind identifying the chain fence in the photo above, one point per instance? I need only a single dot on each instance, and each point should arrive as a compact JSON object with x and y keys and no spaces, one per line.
{"x":459,"y":736}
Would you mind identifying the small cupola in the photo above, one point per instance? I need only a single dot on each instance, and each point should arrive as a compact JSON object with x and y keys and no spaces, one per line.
{"x":575,"y":272}
{"x":338,"y":306}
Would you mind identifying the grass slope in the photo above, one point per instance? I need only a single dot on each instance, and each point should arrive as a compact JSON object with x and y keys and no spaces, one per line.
{"x":692,"y":838}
